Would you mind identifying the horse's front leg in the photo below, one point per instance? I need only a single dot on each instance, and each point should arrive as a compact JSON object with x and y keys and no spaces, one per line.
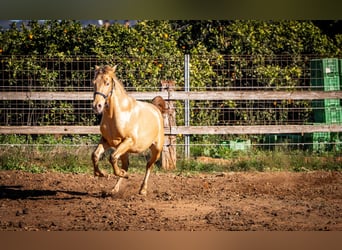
{"x":96,"y":155}
{"x":125,"y":163}
{"x":122,"y":149}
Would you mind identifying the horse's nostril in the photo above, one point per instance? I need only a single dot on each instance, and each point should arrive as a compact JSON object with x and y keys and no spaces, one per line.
{"x":99,"y":105}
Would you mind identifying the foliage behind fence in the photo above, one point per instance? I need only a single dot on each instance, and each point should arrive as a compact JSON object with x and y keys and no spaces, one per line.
{"x":228,"y":73}
{"x":228,"y":56}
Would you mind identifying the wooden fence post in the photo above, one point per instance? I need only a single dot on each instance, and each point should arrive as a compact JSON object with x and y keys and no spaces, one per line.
{"x":169,"y":149}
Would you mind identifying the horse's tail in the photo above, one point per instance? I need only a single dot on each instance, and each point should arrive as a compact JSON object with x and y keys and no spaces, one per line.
{"x":159,"y":102}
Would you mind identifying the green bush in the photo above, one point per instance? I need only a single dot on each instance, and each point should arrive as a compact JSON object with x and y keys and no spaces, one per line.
{"x":224,"y":54}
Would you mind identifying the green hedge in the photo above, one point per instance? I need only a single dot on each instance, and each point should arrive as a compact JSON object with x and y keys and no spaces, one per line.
{"x":152,"y":51}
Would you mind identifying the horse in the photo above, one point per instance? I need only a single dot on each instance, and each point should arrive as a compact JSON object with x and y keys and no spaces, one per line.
{"x":127,"y":125}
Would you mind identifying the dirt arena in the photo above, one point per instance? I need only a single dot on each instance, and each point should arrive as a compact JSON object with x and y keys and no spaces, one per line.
{"x":201,"y":202}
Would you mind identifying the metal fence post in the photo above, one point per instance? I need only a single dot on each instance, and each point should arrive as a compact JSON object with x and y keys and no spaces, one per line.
{"x":186,"y":104}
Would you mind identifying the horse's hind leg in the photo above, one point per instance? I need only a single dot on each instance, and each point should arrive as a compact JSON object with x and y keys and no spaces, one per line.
{"x":125,"y":163}
{"x":155,"y":154}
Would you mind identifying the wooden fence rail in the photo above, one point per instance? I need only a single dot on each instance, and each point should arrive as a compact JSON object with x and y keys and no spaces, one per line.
{"x":183,"y":130}
{"x":182,"y":95}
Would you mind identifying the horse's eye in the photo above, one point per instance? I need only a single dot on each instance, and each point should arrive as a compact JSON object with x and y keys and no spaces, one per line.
{"x":107,"y":83}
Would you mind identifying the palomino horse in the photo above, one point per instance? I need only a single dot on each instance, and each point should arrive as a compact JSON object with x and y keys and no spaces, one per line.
{"x":128,"y":125}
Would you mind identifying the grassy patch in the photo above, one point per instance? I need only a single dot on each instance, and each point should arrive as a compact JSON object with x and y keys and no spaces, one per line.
{"x":65,"y":159}
{"x":77,"y":159}
{"x":265,"y":161}
{"x":36,"y":160}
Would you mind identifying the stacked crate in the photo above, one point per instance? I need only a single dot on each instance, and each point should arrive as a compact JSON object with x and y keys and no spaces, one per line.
{"x":325,"y":75}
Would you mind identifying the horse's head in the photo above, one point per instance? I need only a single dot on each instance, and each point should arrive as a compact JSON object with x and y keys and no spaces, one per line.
{"x":103,"y":87}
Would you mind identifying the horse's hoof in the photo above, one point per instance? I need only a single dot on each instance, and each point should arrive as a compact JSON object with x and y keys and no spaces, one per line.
{"x":123,"y":174}
{"x":105,"y":194}
{"x":115,"y":190}
{"x":143,"y":192}
{"x":99,"y":174}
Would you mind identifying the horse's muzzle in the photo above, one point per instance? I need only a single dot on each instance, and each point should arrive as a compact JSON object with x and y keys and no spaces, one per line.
{"x":98,"y":107}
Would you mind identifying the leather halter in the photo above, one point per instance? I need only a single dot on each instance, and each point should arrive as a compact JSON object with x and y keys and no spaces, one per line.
{"x":103,"y":95}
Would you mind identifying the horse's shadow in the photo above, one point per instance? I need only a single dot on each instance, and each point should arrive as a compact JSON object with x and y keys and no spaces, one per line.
{"x":16,"y":192}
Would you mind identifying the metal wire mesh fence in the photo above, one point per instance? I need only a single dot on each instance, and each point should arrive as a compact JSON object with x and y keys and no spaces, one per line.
{"x":69,"y":77}
{"x":40,"y":73}
{"x":75,"y":73}
{"x":254,"y":72}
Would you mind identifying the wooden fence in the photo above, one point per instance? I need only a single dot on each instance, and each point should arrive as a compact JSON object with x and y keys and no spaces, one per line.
{"x":168,"y":93}
{"x":181,"y":95}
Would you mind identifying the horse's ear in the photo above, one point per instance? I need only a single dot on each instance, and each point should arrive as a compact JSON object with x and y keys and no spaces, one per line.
{"x":114,"y":68}
{"x":97,"y":67}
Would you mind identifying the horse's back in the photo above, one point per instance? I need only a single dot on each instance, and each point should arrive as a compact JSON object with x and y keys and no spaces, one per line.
{"x":149,"y":124}
{"x":150,"y":115}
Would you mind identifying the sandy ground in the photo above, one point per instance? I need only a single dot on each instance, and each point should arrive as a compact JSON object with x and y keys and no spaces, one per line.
{"x":240,"y":201}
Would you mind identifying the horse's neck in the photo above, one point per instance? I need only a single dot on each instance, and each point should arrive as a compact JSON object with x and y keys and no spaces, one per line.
{"x":120,"y":93}
{"x":120,"y":90}
{"x":119,"y":101}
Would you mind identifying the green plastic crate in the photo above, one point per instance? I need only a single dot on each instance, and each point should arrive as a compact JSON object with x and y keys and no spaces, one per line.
{"x":329,"y":115}
{"x":240,"y":145}
{"x":324,"y":67}
{"x":321,"y":136}
{"x":321,"y":141}
{"x":340,"y":69}
{"x":336,"y":139}
{"x":318,"y":141}
{"x":326,"y":103}
{"x":327,"y":83}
